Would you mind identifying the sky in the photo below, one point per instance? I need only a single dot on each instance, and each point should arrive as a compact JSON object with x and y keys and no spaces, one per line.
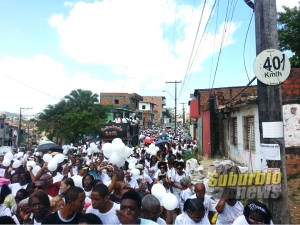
{"x":49,"y":48}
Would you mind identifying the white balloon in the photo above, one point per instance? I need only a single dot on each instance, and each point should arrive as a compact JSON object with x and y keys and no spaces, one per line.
{"x":135,"y":172}
{"x":31,"y":163}
{"x":65,"y":147}
{"x":169,"y":201}
{"x":47,"y":157}
{"x":16,"y":164}
{"x":9,"y":156}
{"x":158,"y":190}
{"x":118,"y":147}
{"x":131,"y":166}
{"x":52,"y":165}
{"x":117,"y":140}
{"x":126,"y":153}
{"x":148,"y":150}
{"x":59,"y":158}
{"x":115,"y":159}
{"x":94,"y":148}
{"x":152,"y":152}
{"x":6,"y":162}
{"x":20,"y":154}
{"x":92,"y":144}
{"x":35,"y":170}
{"x":65,"y":151}
{"x":77,"y":181}
{"x":152,"y":146}
{"x":156,"y":148}
{"x":37,"y":154}
{"x":121,"y":163}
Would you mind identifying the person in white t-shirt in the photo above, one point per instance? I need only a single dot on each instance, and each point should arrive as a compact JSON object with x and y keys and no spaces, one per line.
{"x":194,"y":213}
{"x":151,"y":209}
{"x":131,"y":182}
{"x":102,"y":206}
{"x":254,"y":213}
{"x":185,"y":192}
{"x":200,"y":194}
{"x":228,"y":208}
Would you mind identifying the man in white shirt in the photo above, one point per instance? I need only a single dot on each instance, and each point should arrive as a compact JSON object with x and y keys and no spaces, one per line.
{"x":102,"y":207}
{"x":151,"y":209}
{"x":200,"y":194}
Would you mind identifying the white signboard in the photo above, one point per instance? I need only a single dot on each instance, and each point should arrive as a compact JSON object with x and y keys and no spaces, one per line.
{"x":272,"y":129}
{"x":272,"y":67}
{"x":166,"y":120}
{"x":270,"y":151}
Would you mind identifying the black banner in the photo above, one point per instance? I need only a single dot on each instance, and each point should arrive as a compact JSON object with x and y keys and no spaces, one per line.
{"x":113,"y":130}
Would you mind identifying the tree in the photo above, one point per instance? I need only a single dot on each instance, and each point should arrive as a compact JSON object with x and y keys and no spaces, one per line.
{"x":78,"y":114}
{"x":289,"y":33}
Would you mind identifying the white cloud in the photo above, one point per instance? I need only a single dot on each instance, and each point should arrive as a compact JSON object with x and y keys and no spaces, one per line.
{"x":128,"y":37}
{"x":40,"y":80}
{"x":289,"y":3}
{"x":70,"y":4}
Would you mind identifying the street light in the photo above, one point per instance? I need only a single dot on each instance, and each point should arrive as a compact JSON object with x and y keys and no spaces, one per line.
{"x":20,"y":124}
{"x":175,"y":108}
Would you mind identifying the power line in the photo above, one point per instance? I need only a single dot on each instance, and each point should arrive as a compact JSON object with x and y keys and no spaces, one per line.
{"x":30,"y":86}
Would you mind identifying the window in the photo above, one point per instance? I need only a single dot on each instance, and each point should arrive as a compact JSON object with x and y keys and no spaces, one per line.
{"x":234,"y":131}
{"x":116,"y":101}
{"x":143,"y":107}
{"x":249,"y":133}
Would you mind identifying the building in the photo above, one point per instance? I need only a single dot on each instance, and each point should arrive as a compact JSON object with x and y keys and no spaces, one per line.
{"x":124,"y":104}
{"x":226,"y":123}
{"x":149,"y":113}
{"x":159,"y":104}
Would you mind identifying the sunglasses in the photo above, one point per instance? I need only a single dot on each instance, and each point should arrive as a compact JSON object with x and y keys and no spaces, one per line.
{"x":39,"y":187}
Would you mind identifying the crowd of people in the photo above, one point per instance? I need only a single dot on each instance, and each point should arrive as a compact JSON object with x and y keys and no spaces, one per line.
{"x":87,"y":189}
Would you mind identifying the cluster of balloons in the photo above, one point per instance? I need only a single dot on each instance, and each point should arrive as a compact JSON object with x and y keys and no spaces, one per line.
{"x":53,"y":161}
{"x":168,"y":200}
{"x":10,"y":157}
{"x":117,"y":152}
{"x":152,"y":150}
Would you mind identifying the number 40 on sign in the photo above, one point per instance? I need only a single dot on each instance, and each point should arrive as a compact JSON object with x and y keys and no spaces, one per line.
{"x":272,"y":67}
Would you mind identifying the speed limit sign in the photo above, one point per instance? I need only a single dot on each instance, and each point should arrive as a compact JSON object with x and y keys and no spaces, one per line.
{"x":272,"y":67}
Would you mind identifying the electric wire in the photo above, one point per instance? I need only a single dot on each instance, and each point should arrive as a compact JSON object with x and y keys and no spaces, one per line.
{"x":245,"y":46}
{"x":30,"y":86}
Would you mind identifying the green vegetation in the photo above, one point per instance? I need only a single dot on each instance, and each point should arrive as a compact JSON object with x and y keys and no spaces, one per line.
{"x":76,"y":115}
{"x":288,"y":33}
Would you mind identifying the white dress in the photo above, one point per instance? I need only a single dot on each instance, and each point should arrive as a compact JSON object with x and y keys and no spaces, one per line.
{"x":230,"y":213}
{"x":185,"y":219}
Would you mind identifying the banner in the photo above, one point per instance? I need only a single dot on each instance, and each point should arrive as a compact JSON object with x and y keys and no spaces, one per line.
{"x":112,"y":131}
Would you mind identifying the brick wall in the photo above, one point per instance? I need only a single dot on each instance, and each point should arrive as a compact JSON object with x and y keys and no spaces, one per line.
{"x":290,"y":88}
{"x":159,"y":102}
{"x":123,"y":98}
{"x":292,"y":164}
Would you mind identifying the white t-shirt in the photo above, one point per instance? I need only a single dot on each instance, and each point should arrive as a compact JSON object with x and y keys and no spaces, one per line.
{"x":107,"y":218}
{"x":185,"y":219}
{"x":154,"y":167}
{"x":58,"y":177}
{"x":241,"y":220}
{"x":132,"y":183}
{"x":207,"y":204}
{"x":161,"y":221}
{"x":104,"y":178}
{"x":4,"y":211}
{"x":230,"y":213}
{"x":15,"y":187}
{"x":175,"y":178}
{"x":184,"y":195}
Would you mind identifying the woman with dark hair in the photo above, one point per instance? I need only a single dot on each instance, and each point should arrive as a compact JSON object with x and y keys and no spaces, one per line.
{"x":117,"y":193}
{"x":24,"y":179}
{"x":152,"y":166}
{"x":193,"y":213}
{"x":14,"y":178}
{"x":161,"y":176}
{"x":30,"y":188}
{"x":254,"y":213}
{"x":88,"y":182}
{"x":4,"y":191}
{"x":38,"y":205}
{"x":65,"y":184}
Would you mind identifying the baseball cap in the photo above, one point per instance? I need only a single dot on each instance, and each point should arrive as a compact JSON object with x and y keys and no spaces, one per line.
{"x":84,"y":167}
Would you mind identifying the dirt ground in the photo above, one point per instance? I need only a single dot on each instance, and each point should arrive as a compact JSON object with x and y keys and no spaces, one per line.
{"x":294,"y":197}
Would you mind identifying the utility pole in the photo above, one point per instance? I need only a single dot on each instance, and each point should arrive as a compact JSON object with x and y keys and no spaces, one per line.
{"x":270,"y":104}
{"x":175,"y":82}
{"x":20,"y":125}
{"x":183,"y":113}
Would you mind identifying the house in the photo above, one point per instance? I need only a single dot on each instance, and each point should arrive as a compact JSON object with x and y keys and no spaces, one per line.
{"x":123,"y":104}
{"x":149,"y":113}
{"x":227,"y":123}
{"x":159,"y":103}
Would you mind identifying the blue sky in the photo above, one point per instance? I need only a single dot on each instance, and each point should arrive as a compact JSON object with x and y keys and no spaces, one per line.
{"x":49,"y":48}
